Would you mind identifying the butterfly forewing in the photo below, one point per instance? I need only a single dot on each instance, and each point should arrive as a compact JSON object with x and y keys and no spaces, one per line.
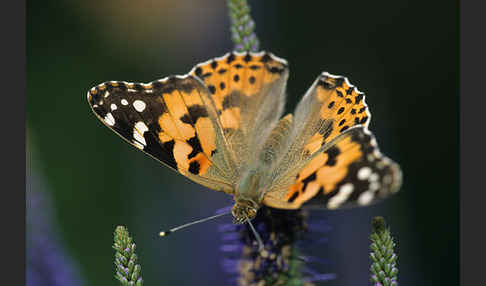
{"x":248,"y":92}
{"x":173,"y":120}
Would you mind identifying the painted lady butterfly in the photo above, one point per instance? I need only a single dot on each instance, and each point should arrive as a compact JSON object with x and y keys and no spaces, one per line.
{"x":221,"y":126}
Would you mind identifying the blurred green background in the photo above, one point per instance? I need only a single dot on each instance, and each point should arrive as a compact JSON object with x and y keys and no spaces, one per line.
{"x":402,"y":54}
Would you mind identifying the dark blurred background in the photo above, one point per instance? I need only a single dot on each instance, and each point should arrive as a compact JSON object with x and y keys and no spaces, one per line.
{"x":402,"y":54}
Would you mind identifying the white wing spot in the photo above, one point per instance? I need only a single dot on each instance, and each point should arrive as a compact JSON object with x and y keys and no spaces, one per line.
{"x":124,"y":102}
{"x":138,"y":145}
{"x":109,"y":119}
{"x":374,"y":186}
{"x":342,"y":195}
{"x":107,"y":94}
{"x":374,"y":177}
{"x":366,"y":198}
{"x":141,"y":127}
{"x":139,"y":105}
{"x":364,"y":173}
{"x":138,"y":131}
{"x":113,"y":106}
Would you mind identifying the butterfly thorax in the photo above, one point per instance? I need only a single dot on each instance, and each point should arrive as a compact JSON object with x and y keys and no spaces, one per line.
{"x":248,"y":195}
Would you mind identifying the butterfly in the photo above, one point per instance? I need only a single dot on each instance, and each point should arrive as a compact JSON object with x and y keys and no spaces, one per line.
{"x":221,"y":126}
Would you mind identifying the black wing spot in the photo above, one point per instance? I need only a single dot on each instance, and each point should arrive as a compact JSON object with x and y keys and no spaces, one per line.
{"x":214,"y":64}
{"x":332,"y":154}
{"x":251,"y":79}
{"x":222,"y":85}
{"x":247,"y":58}
{"x":266,"y":58}
{"x":353,"y":111}
{"x":222,"y":71}
{"x":198,"y":71}
{"x":293,"y":197}
{"x":186,"y":118}
{"x":212,"y":89}
{"x":340,"y":94}
{"x":330,"y":105}
{"x":194,"y":167}
{"x":236,"y":78}
{"x":341,"y":110}
{"x":339,"y":81}
{"x":230,"y":58}
{"x":208,"y":74}
{"x":307,"y":180}
{"x":344,"y":129}
{"x":197,"y":111}
{"x":342,"y":122}
{"x":325,"y":84}
{"x":196,"y":147}
{"x":275,"y":70}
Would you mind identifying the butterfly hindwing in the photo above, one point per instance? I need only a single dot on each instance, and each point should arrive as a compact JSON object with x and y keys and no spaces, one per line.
{"x":248,"y":92}
{"x":331,"y":156}
{"x":350,"y":172}
{"x":173,"y":120}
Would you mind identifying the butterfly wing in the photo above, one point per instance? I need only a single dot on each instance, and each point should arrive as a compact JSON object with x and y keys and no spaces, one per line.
{"x":173,"y":120}
{"x":331,"y":158}
{"x":248,"y":92}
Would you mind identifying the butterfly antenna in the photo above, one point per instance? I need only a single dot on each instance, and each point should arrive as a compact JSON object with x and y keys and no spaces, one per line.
{"x":167,"y":232}
{"x":257,"y":236}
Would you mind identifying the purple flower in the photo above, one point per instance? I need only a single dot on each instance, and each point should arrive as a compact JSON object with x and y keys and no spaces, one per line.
{"x":242,"y":26}
{"x":48,"y":264}
{"x":281,"y":260}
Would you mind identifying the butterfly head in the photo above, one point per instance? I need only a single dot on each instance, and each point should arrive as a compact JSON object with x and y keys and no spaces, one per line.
{"x":244,"y":210}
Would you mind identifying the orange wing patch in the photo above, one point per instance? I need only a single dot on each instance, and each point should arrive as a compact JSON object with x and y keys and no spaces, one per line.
{"x":352,"y":170}
{"x":235,"y":78}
